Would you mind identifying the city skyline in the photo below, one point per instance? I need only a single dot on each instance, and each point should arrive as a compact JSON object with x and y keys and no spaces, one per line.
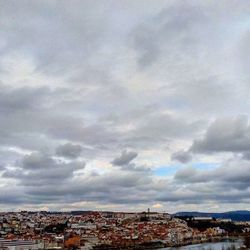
{"x":124,"y":105}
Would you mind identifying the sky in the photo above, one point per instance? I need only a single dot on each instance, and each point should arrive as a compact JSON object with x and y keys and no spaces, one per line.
{"x":124,"y":105}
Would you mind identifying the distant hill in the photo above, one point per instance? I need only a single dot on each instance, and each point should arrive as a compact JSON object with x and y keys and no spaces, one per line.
{"x":242,"y":215}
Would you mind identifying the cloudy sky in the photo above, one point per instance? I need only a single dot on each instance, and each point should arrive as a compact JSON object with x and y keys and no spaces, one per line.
{"x":125,"y":105}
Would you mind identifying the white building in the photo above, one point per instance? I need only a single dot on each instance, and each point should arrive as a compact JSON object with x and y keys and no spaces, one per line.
{"x":20,"y":245}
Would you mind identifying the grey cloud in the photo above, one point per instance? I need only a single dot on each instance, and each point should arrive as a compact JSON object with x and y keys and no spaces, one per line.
{"x":41,"y":169}
{"x":161,"y":126}
{"x":103,"y":188}
{"x":125,"y":158}
{"x":190,"y":174}
{"x":246,"y":155}
{"x":181,"y":156}
{"x":185,"y":39}
{"x":225,"y":135}
{"x":21,"y":99}
{"x":177,"y":28}
{"x":234,"y":173}
{"x":244,"y":56}
{"x":224,"y":184}
{"x":107,"y":76}
{"x":137,"y":168}
{"x":36,"y":161}
{"x":69,"y":150}
{"x":74,"y":129}
{"x":9,"y":196}
{"x":121,"y":186}
{"x":197,"y":197}
{"x":26,"y":115}
{"x":49,"y":22}
{"x":147,"y":49}
{"x":150,"y":127}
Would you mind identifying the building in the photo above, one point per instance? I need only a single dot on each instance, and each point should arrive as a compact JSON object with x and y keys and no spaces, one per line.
{"x":19,"y":245}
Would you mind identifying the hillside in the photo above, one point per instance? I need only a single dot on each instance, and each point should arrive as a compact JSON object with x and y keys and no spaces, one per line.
{"x":242,"y":215}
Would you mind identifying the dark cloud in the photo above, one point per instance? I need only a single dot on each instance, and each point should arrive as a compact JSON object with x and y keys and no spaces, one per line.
{"x":39,"y":169}
{"x":227,"y":174}
{"x":56,"y":183}
{"x":177,"y":27}
{"x":21,"y":99}
{"x":246,"y":155}
{"x":181,"y":156}
{"x":125,"y":158}
{"x":137,"y":168}
{"x":162,"y":126}
{"x":225,"y":135}
{"x":69,"y":150}
{"x":55,"y":180}
{"x":190,"y":174}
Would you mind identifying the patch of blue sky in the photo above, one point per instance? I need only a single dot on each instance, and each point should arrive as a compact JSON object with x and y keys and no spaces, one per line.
{"x":205,"y":165}
{"x":166,"y":170}
{"x":170,"y":170}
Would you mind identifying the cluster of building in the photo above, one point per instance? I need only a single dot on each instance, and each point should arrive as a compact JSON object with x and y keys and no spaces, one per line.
{"x":42,"y":230}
